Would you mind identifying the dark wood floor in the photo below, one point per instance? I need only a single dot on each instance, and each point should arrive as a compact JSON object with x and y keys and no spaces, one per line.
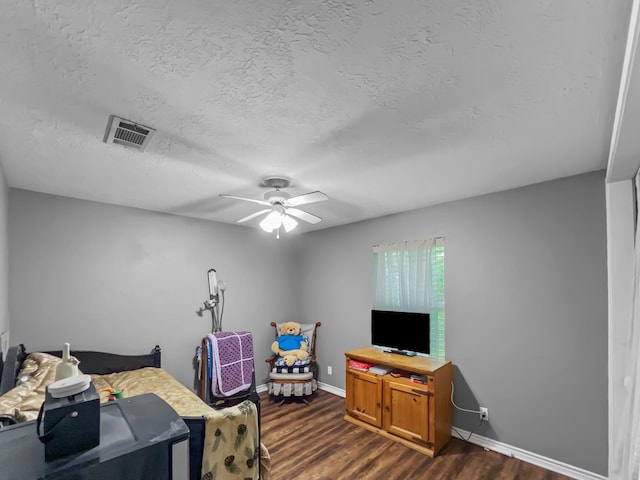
{"x":314,"y":443}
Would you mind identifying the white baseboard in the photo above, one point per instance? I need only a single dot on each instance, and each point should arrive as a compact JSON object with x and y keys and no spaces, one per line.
{"x":331,"y":389}
{"x":262,"y":388}
{"x":529,"y":457}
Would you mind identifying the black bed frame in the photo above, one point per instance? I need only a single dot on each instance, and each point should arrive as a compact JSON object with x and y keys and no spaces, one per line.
{"x":101,"y":363}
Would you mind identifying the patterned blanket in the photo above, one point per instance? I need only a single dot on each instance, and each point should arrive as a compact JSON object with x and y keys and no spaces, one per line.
{"x":231,"y":362}
{"x":231,"y":447}
{"x":234,"y":452}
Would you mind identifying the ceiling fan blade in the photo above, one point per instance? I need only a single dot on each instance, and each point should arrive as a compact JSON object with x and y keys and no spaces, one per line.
{"x":254,"y":215}
{"x":260,"y":202}
{"x":310,"y":197}
{"x":302,"y":215}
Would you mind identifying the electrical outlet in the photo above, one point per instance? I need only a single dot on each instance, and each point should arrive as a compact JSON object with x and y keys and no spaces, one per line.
{"x":329,"y":369}
{"x":484,"y":414}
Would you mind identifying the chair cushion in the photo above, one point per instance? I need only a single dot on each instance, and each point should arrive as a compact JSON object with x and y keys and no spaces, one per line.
{"x":290,"y":376}
{"x":279,"y":362}
{"x":294,"y":369}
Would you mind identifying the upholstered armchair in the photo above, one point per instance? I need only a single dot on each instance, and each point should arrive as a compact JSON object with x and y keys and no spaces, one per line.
{"x":299,"y":379}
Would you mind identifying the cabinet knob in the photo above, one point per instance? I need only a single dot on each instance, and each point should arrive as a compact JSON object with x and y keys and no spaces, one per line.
{"x":378,"y":405}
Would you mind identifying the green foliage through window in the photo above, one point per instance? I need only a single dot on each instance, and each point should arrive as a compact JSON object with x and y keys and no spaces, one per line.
{"x":437,"y":315}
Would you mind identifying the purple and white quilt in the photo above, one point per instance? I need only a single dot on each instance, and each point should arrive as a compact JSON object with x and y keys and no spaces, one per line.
{"x":232,"y":362}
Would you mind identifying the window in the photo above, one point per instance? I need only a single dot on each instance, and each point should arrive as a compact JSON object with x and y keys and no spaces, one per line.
{"x":409,"y":277}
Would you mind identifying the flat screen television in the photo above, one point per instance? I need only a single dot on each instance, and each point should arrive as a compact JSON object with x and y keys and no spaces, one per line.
{"x":400,"y":331}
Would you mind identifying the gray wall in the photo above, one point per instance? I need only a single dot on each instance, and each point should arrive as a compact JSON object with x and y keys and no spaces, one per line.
{"x":526,"y":309}
{"x":4,"y":253}
{"x":123,"y":280}
{"x":526,"y":296}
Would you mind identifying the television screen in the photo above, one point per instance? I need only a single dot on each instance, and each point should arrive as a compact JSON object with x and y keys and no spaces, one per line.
{"x":408,"y":332}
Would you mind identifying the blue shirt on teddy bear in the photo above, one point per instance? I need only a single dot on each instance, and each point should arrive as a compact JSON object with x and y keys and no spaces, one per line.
{"x":290,"y":342}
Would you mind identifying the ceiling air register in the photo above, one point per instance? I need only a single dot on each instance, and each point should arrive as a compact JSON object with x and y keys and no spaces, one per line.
{"x":127,"y":133}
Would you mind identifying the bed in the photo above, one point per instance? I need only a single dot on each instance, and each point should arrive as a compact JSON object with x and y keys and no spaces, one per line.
{"x":23,"y":379}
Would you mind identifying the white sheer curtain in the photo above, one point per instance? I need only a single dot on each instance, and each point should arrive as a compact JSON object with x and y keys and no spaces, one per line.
{"x":408,"y":277}
{"x":627,"y":444}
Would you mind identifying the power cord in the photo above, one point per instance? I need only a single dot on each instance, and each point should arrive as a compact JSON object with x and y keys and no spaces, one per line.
{"x":460,"y":408}
{"x":461,"y":437}
{"x":464,"y":410}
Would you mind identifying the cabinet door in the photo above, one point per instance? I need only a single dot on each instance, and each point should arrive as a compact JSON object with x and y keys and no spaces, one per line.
{"x":364,"y":397}
{"x":408,"y":411}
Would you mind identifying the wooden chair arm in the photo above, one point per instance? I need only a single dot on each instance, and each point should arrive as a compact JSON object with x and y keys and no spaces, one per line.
{"x":272,"y":360}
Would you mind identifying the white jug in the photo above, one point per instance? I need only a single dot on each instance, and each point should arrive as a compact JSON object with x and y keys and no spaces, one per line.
{"x":69,"y":365}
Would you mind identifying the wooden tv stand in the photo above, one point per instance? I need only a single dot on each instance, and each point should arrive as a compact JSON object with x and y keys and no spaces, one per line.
{"x":414,"y":414}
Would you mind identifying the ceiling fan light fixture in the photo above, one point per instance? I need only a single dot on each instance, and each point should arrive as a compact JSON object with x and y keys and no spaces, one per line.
{"x":271,"y":222}
{"x":288,"y":223}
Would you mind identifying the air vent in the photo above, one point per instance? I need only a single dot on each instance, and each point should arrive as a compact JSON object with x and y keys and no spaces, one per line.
{"x":127,"y":133}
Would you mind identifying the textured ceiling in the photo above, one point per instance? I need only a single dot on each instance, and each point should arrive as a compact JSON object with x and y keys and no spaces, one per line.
{"x":384,"y":106}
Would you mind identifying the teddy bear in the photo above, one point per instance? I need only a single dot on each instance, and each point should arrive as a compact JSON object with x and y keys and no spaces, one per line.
{"x":290,"y":345}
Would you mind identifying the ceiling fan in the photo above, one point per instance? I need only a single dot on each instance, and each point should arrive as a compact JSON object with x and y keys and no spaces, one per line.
{"x":282,"y":206}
